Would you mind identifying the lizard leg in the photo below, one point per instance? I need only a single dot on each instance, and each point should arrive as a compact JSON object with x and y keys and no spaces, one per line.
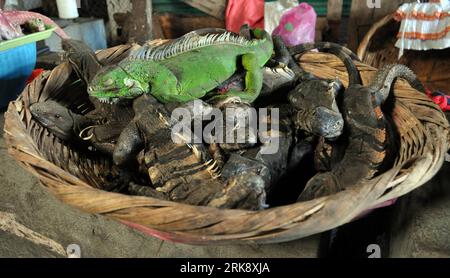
{"x":253,"y":81}
{"x":282,"y":56}
{"x":128,"y":144}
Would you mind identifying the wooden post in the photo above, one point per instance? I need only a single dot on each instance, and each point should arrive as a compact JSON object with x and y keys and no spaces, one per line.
{"x":334,"y":15}
{"x":335,"y":10}
{"x":362,"y":17}
{"x":140,"y":23}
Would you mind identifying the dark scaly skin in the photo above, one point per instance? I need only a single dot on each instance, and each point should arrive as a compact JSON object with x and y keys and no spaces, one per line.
{"x":178,"y":172}
{"x":184,"y":172}
{"x":247,"y":156}
{"x":62,"y":122}
{"x":181,"y":175}
{"x":317,"y":109}
{"x":370,"y":138}
{"x":271,"y":167}
{"x":66,"y":125}
{"x":108,"y":122}
{"x":317,"y":103}
{"x":315,"y":98}
{"x":283,"y":159}
{"x":102,"y":126}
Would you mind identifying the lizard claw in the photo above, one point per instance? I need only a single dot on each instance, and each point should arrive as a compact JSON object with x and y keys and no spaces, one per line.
{"x":281,"y":65}
{"x":213,"y":168}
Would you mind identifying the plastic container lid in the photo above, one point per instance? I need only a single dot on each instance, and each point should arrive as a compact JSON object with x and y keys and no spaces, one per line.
{"x":5,"y":45}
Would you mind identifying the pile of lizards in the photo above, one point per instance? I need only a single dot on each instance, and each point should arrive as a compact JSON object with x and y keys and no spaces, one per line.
{"x":328,"y":136}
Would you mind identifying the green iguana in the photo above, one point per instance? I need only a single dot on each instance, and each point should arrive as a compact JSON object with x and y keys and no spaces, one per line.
{"x":187,"y":69}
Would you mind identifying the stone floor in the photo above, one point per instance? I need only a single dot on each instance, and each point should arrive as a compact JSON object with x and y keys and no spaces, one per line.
{"x":34,"y":224}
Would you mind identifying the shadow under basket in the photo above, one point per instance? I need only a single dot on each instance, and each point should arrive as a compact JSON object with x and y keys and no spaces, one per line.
{"x":377,"y":49}
{"x":73,"y":178}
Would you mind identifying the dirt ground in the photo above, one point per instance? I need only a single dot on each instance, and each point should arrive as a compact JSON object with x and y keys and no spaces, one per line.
{"x":34,"y":224}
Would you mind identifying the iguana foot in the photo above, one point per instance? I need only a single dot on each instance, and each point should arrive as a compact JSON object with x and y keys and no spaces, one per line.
{"x":245,"y":191}
{"x":238,"y":164}
{"x":239,"y":127}
{"x":218,"y":158}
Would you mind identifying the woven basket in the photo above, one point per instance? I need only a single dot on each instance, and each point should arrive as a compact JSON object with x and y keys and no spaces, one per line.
{"x":378,"y":48}
{"x":73,"y":178}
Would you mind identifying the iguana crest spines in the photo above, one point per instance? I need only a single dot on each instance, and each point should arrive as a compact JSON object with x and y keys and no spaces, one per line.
{"x":189,"y":43}
{"x":386,"y":76}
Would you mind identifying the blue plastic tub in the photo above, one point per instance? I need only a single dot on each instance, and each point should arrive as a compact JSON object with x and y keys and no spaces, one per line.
{"x":16,"y":65}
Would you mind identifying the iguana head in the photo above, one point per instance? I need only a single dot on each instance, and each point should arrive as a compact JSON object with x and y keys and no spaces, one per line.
{"x":318,"y":112}
{"x":55,"y":117}
{"x":116,"y":83}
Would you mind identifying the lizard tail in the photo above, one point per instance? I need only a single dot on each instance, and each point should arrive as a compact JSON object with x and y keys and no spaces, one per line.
{"x":324,"y":45}
{"x":343,"y":53}
{"x":387,"y":75}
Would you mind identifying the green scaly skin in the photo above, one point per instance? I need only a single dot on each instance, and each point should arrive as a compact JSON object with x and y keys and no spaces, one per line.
{"x":187,"y":71}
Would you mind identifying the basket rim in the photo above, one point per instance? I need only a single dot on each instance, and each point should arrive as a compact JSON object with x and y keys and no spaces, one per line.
{"x":365,"y":43}
{"x":279,"y":224}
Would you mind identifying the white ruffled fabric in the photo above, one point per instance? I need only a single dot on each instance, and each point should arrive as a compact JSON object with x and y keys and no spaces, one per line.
{"x":424,"y":26}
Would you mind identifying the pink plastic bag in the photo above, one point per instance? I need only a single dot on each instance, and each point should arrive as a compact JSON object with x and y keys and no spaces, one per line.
{"x":297,"y":25}
{"x":241,"y":12}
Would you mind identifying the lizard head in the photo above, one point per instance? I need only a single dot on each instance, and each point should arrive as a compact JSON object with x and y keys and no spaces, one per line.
{"x":54,"y":117}
{"x":318,"y":112}
{"x":115,"y":83}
